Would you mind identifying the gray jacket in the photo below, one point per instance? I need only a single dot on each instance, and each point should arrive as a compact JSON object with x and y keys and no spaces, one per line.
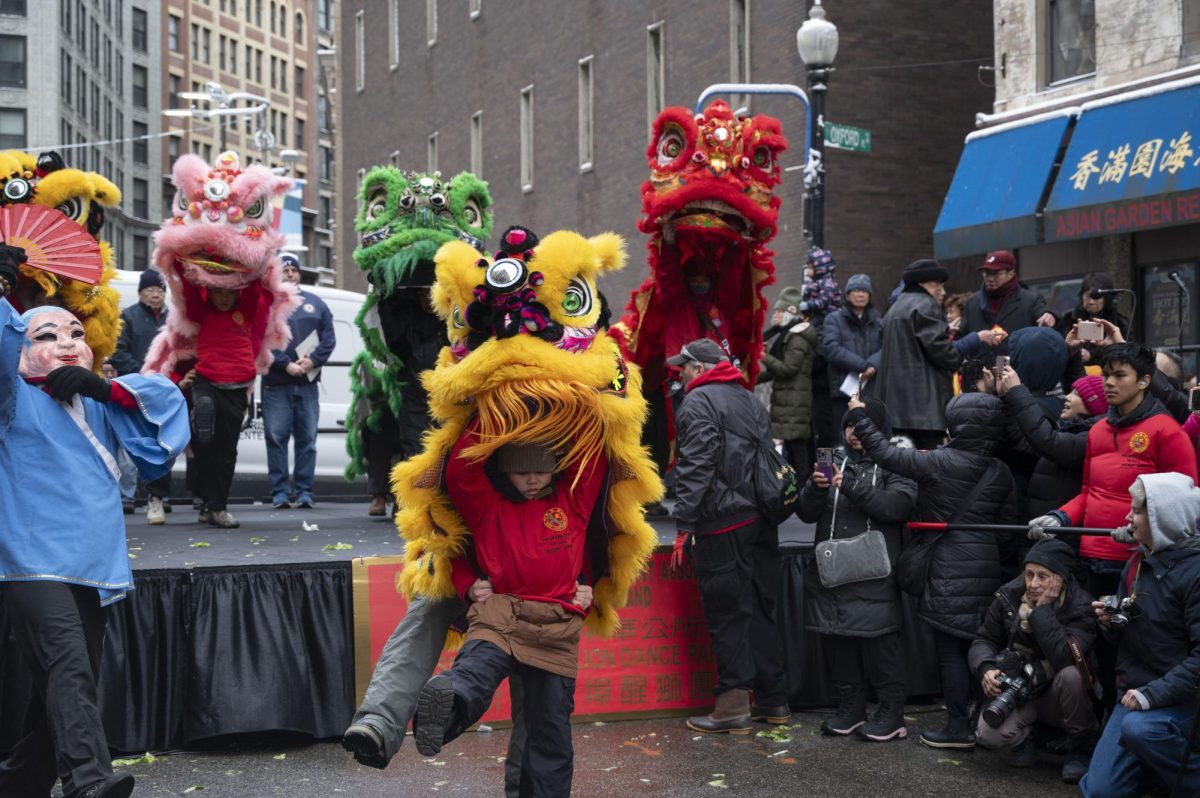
{"x":917,"y":362}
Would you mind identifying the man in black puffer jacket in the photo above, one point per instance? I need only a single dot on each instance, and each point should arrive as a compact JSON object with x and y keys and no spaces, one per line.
{"x":964,"y":569}
{"x":719,"y":429}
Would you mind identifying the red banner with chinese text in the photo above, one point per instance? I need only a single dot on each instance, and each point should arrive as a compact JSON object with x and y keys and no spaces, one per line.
{"x":660,"y":662}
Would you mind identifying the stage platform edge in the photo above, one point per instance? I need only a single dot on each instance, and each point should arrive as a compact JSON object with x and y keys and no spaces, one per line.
{"x":660,"y":663}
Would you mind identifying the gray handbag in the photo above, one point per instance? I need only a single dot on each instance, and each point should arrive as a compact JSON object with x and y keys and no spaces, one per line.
{"x":857,"y":559}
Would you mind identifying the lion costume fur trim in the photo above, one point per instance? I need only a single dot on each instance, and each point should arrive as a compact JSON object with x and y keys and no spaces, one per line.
{"x":493,"y":382}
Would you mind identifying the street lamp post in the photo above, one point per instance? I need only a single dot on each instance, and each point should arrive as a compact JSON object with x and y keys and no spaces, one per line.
{"x":817,"y":41}
{"x":213,"y":92}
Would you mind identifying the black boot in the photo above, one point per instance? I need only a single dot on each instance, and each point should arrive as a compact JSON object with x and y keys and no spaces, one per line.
{"x":851,"y":712}
{"x":887,"y":723}
{"x":435,"y":710}
{"x":957,"y":733}
{"x":1024,"y":755}
{"x":1079,"y":757}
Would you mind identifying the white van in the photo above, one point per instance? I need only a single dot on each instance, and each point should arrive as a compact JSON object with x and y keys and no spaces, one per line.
{"x":251,"y":479}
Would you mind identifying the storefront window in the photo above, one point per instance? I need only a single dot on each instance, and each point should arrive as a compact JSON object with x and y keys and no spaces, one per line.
{"x":1162,"y":323}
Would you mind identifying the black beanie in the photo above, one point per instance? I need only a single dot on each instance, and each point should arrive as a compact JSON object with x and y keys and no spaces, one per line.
{"x":874,"y":410}
{"x":524,"y":458}
{"x":151,"y":278}
{"x":924,"y":270}
{"x":1055,"y":554}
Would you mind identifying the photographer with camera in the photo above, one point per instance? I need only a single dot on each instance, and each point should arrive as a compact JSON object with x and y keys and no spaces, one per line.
{"x":1032,"y":655}
{"x":1155,"y":617}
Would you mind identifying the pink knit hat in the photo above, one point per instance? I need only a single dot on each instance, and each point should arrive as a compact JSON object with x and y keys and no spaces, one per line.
{"x":1091,"y":391}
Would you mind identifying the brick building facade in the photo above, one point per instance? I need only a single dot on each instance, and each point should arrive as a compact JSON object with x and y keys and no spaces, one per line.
{"x":431,"y":85}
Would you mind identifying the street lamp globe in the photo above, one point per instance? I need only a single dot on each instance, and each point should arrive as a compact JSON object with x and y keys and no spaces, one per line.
{"x":817,"y":39}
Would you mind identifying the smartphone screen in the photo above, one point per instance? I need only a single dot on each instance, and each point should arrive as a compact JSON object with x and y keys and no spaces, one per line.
{"x":1194,"y":400}
{"x":1090,"y":331}
{"x":1001,"y":362}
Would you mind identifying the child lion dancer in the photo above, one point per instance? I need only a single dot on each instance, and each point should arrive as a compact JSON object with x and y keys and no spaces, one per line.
{"x":528,"y":363}
{"x":62,"y":533}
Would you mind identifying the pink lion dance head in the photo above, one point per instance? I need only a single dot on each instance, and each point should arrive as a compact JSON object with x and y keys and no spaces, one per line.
{"x":220,"y":235}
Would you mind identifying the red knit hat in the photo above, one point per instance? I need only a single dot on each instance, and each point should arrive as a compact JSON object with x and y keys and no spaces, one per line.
{"x":1091,"y":391}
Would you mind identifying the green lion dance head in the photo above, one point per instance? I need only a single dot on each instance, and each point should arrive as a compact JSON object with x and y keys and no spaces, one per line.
{"x":404,"y":217}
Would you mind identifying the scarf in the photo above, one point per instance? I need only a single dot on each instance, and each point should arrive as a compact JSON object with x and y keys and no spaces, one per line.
{"x":1001,"y":295}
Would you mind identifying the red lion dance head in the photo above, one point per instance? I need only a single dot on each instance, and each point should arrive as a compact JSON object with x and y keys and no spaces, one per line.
{"x":710,"y":209}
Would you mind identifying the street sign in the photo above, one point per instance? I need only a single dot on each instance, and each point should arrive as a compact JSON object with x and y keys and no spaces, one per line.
{"x":844,"y":137}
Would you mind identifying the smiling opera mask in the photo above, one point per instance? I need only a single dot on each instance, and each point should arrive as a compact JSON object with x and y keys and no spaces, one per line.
{"x":53,"y":338}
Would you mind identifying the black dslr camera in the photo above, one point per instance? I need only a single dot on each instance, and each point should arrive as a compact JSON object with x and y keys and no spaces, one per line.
{"x":1021,"y":678}
{"x":1119,"y":609}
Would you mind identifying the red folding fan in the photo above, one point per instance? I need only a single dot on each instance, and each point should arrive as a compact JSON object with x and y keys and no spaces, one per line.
{"x":52,"y":241}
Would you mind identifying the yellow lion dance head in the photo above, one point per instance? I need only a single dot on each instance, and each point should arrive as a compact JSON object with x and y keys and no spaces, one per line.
{"x":530,"y":357}
{"x":82,"y":197}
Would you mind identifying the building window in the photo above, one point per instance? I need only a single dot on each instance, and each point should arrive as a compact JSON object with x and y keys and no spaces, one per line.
{"x":283,"y":20}
{"x":586,"y":87}
{"x":140,"y":25}
{"x":655,"y":74}
{"x":323,"y":113}
{"x":12,"y":128}
{"x":173,"y":147}
{"x":12,"y":62}
{"x":527,"y":139}
{"x":64,"y":86}
{"x":173,"y":89}
{"x":233,"y":51}
{"x":325,"y":15}
{"x":476,"y":8}
{"x":431,"y":153}
{"x":258,"y":13}
{"x":283,"y":75}
{"x":141,"y":249}
{"x":325,"y":220}
{"x":258,"y":62}
{"x":299,"y":28}
{"x":141,"y":198}
{"x":274,"y":60}
{"x":173,"y":23}
{"x":141,"y":144}
{"x":326,"y":163}
{"x":119,"y":144}
{"x":431,"y":22}
{"x":739,"y":47}
{"x":16,"y":8}
{"x":477,"y":143}
{"x":1071,"y":25}
{"x":221,"y":52}
{"x":140,"y":82}
{"x":298,"y":136}
{"x":298,"y":88}
{"x":206,"y":45}
{"x":394,"y":32}
{"x":194,"y":42}
{"x":360,"y":55}
{"x":272,"y":23}
{"x":1191,"y":28}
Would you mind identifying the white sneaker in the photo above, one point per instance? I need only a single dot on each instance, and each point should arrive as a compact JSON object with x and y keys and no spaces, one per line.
{"x":155,"y":514}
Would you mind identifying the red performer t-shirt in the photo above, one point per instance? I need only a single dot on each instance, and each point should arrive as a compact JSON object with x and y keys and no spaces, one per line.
{"x":531,"y":549}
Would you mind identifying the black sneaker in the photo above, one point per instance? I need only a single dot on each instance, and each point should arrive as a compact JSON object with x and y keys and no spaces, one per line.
{"x":366,"y":743}
{"x":435,"y":706}
{"x":955,"y":734}
{"x":204,"y":419}
{"x":886,"y":724}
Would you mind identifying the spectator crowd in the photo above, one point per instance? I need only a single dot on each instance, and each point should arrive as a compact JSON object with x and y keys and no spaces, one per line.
{"x":1029,"y":478}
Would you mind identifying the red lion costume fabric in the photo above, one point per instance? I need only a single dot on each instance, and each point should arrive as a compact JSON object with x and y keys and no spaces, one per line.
{"x":710,"y":209}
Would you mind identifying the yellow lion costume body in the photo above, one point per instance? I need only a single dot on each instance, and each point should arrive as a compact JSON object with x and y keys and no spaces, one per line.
{"x":534,"y":365}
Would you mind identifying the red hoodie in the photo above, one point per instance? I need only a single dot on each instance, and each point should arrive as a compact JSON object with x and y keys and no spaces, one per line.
{"x":722,"y":372}
{"x":531,"y":549}
{"x":228,"y":341}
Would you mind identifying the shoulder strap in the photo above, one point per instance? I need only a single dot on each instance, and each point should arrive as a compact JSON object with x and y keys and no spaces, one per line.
{"x":992,"y":469}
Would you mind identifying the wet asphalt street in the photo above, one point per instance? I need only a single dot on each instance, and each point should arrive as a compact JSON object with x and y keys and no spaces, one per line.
{"x":657,"y":758}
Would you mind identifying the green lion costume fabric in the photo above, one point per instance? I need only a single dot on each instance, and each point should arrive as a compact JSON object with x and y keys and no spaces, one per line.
{"x":403,"y":218}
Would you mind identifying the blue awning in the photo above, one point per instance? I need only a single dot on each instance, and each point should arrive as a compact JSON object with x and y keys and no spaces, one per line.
{"x":1001,"y":178}
{"x":1133,"y":164}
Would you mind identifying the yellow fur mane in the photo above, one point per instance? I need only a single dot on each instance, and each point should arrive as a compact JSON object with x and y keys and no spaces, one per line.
{"x":523,"y":388}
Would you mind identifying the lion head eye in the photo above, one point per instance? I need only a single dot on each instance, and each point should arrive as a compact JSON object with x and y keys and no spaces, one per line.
{"x":671,"y":145}
{"x":577,"y":299}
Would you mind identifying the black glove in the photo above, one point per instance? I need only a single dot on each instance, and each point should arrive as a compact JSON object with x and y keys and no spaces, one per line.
{"x":67,"y":381}
{"x":10,"y":259}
